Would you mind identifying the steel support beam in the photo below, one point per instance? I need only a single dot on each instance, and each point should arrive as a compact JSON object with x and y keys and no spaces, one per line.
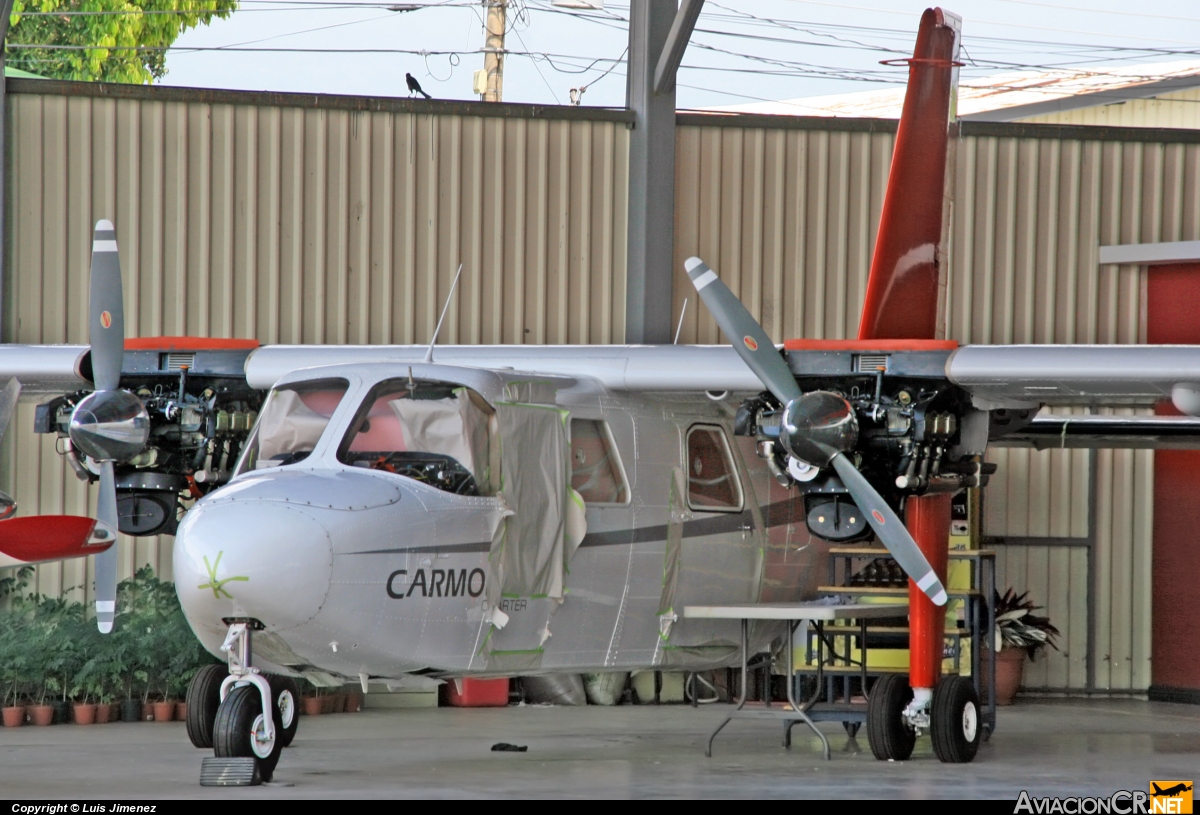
{"x":651,"y":242}
{"x":677,"y":40}
{"x":6,"y":7}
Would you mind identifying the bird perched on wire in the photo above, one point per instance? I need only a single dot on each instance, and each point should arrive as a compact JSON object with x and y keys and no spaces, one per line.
{"x":414,"y":86}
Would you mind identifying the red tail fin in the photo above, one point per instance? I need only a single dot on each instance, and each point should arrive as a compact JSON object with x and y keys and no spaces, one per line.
{"x":903,"y":292}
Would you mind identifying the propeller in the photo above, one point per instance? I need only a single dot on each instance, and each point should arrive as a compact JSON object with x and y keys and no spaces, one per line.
{"x":109,"y":424}
{"x":818,"y":427}
{"x":8,"y":405}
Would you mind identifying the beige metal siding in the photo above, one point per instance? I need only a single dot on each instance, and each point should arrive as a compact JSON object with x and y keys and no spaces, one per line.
{"x":1179,"y":109}
{"x":291,"y":224}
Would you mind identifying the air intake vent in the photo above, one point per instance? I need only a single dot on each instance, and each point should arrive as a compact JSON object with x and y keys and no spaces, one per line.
{"x":176,"y":361}
{"x":870,"y":363}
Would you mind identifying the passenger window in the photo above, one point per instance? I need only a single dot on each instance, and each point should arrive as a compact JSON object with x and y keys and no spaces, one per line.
{"x":292,"y":421}
{"x":595,"y":471}
{"x":433,"y":432}
{"x":712,"y":478}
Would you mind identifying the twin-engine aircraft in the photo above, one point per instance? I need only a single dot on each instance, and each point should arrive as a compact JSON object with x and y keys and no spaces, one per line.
{"x":500,"y":510}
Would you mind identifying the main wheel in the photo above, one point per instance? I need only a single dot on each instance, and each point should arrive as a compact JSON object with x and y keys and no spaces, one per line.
{"x":239,"y":730}
{"x":203,"y":699}
{"x":286,"y":695}
{"x":954,"y":723}
{"x":889,"y":735}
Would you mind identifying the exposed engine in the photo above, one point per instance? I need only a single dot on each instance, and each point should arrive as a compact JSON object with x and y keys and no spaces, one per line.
{"x":200,"y":412}
{"x":895,"y":416}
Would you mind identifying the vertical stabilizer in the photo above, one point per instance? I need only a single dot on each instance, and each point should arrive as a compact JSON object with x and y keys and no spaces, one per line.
{"x":904,"y":292}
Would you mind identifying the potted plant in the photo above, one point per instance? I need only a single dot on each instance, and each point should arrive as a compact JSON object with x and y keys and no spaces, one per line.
{"x":14,"y":656}
{"x":1019,"y":634}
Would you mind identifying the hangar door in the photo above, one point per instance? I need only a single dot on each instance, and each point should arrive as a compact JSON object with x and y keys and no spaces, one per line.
{"x":1172,"y":294}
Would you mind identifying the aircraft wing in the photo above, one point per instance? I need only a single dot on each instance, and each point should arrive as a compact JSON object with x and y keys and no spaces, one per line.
{"x":618,"y":367}
{"x":46,"y":369}
{"x":1077,"y":375}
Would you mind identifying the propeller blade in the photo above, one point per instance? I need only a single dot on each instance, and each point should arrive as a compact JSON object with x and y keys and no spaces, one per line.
{"x":747,"y":336}
{"x":8,"y":405}
{"x":890,"y":530}
{"x":107,"y":318}
{"x":106,"y":561}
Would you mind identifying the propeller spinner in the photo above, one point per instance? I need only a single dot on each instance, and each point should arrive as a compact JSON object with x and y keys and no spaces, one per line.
{"x":110,"y":424}
{"x":818,"y":428}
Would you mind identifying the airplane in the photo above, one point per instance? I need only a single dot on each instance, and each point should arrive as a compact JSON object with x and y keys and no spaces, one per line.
{"x":401,"y":511}
{"x":1169,"y":792}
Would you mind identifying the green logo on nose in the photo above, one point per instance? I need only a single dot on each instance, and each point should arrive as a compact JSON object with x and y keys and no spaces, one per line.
{"x":217,"y":586}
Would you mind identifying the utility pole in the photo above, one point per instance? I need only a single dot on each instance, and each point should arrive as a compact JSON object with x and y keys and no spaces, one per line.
{"x":493,"y":59}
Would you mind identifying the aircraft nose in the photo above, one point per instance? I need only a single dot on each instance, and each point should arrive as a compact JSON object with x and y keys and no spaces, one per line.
{"x":268,"y":560}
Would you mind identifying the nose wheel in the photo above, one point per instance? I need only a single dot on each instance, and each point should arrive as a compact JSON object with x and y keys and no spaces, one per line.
{"x":246,"y":717}
{"x":242,"y":731}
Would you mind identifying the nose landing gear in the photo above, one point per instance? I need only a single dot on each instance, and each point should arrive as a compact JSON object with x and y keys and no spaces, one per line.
{"x":245,"y":717}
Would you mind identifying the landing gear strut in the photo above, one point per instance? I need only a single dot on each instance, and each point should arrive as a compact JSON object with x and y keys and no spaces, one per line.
{"x":255,"y":717}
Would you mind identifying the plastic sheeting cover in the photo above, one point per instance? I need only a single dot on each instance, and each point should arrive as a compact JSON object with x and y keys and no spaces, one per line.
{"x":288,"y":425}
{"x":530,"y":552}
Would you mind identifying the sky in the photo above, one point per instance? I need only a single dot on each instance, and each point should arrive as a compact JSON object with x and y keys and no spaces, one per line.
{"x":742,"y":50}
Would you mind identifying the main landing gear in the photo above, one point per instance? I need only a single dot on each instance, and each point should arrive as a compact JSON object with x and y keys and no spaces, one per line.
{"x":951,"y":716}
{"x":245,"y":717}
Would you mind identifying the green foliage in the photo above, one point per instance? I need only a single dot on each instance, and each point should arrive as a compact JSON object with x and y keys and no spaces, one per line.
{"x":128,"y":47}
{"x":51,"y":647}
{"x":1018,"y":627}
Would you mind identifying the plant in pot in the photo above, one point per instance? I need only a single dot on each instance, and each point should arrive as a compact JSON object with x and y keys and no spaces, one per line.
{"x":1020,"y":634}
{"x":14,"y":664}
{"x":65,"y":646}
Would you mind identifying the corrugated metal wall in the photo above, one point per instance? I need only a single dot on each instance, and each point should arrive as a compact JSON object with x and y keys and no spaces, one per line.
{"x":219,"y":199}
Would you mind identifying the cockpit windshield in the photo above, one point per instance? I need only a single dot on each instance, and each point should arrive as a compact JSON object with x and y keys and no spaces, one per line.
{"x":437,"y":433}
{"x":291,"y":423}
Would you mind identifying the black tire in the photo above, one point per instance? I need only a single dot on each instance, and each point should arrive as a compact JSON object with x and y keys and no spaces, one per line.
{"x":232,"y":729}
{"x":889,"y":736}
{"x":955,"y":722}
{"x":279,"y":686}
{"x":203,"y":698}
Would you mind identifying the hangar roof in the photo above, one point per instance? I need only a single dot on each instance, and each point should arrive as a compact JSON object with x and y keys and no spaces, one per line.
{"x":1007,"y":97}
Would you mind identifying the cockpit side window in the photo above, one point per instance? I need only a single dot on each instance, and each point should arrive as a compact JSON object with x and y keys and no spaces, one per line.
{"x":437,"y":433}
{"x":291,"y":423}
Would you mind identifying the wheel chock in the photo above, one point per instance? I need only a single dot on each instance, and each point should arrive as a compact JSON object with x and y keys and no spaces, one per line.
{"x":229,"y":772}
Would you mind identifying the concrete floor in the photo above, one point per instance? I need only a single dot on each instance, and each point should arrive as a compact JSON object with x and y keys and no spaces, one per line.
{"x":1049,"y":748}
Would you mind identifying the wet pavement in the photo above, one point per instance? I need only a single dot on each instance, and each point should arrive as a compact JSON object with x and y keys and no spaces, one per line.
{"x":1050,"y":748}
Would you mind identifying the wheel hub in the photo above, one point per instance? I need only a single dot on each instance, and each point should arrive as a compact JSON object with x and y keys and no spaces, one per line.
{"x":262,"y":741}
{"x":287,"y":708}
{"x":970,"y":721}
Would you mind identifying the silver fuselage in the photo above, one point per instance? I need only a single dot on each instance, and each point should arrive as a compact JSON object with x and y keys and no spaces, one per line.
{"x":355,"y":571}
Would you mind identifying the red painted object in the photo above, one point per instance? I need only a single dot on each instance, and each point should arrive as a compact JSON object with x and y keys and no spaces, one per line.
{"x":188,"y":344}
{"x":1171,"y":296}
{"x":478,"y":692}
{"x":903,"y":290}
{"x":928,"y":520}
{"x":48,"y":537}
